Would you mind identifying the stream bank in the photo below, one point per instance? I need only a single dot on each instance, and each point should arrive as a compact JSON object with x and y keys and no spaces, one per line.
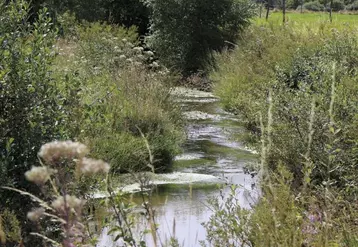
{"x":211,"y":162}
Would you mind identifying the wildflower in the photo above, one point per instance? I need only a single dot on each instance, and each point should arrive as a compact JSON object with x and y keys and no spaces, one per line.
{"x":138,"y":49}
{"x":56,"y":150}
{"x":72,"y":202}
{"x":91,"y":166}
{"x":122,"y":57}
{"x":155,"y":65}
{"x":39,"y":174}
{"x":124,"y":40}
{"x":150,"y":53}
{"x":35,"y":214}
{"x":141,"y":57}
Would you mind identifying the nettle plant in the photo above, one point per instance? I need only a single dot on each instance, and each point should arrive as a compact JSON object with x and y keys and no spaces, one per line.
{"x":62,"y":164}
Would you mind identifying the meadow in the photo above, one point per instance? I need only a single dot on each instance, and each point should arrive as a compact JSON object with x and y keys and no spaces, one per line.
{"x":307,"y":18}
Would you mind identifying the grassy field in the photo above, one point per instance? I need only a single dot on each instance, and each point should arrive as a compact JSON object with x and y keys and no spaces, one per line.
{"x":307,"y":18}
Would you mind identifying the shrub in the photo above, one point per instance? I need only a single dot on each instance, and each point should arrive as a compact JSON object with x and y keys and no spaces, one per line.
{"x":299,"y":70}
{"x":32,"y":106}
{"x":293,"y":4}
{"x":313,"y":6}
{"x":123,"y":12}
{"x":185,"y":33}
{"x":336,"y":6}
{"x":124,"y":97}
{"x":353,"y":6}
{"x":10,"y":230}
{"x":282,"y":218}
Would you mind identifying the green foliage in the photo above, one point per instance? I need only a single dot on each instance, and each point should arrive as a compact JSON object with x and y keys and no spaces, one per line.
{"x":185,"y":33}
{"x":301,"y":69}
{"x":31,"y":103}
{"x":293,"y":4}
{"x":313,"y":6}
{"x":10,"y":231}
{"x":123,"y":12}
{"x":283,"y":218}
{"x":353,"y":6}
{"x":123,"y":93}
{"x":228,"y":226}
{"x":337,"y":5}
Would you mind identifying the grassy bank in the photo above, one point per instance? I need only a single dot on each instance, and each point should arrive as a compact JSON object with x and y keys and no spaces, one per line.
{"x":295,"y":86}
{"x":123,"y":97}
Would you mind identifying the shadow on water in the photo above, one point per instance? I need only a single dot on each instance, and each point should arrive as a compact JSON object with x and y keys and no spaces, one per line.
{"x":211,"y":149}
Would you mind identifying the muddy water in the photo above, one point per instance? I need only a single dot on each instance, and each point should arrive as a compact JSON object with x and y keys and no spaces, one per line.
{"x":211,"y":149}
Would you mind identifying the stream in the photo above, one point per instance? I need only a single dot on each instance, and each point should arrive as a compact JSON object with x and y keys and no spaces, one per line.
{"x":212,"y":161}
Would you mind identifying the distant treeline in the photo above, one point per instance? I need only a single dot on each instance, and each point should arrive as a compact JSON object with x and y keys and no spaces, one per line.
{"x":125,"y":12}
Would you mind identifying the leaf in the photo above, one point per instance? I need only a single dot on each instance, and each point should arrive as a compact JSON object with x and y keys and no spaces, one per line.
{"x":8,"y":144}
{"x":46,"y":238}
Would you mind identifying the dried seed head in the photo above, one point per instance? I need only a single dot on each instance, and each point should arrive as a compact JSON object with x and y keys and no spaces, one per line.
{"x":39,"y":174}
{"x":71,"y":202}
{"x":57,"y":150}
{"x":35,"y":214}
{"x":91,"y":166}
{"x":150,"y":53}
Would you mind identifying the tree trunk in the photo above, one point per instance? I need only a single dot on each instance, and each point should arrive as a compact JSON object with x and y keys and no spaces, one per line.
{"x":302,"y":6}
{"x":283,"y":11}
{"x":330,"y":11}
{"x":268,"y":9}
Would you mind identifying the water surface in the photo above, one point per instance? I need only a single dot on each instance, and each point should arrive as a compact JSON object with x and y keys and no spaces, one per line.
{"x":211,"y":149}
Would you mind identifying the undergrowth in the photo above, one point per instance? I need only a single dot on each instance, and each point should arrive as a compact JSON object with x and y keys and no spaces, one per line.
{"x":294,"y":88}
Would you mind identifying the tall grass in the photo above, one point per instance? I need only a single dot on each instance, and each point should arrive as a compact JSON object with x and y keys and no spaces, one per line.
{"x":294,"y":88}
{"x":121,"y":91}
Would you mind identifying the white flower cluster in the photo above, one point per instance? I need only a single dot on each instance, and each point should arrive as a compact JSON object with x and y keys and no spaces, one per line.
{"x":56,"y":150}
{"x":91,"y":166}
{"x":138,"y":49}
{"x":39,"y":174}
{"x":60,"y":204}
{"x":35,"y":214}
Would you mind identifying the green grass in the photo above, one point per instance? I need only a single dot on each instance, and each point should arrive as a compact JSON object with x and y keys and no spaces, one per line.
{"x":308,"y":18}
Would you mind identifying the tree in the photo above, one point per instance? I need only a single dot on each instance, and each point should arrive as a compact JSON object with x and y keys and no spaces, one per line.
{"x":185,"y":33}
{"x":32,"y":111}
{"x":124,"y":12}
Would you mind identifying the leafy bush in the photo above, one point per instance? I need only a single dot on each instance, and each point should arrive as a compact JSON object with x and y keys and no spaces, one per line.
{"x":123,"y":12}
{"x":185,"y":33}
{"x":34,"y":108}
{"x":336,"y":5}
{"x":283,"y":218}
{"x":299,"y":71}
{"x":353,"y":6}
{"x":29,"y":97}
{"x":293,"y":4}
{"x":313,"y":6}
{"x":10,"y":230}
{"x":124,"y":97}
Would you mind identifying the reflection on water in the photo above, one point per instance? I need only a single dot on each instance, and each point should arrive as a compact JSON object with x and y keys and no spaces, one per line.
{"x":180,"y":209}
